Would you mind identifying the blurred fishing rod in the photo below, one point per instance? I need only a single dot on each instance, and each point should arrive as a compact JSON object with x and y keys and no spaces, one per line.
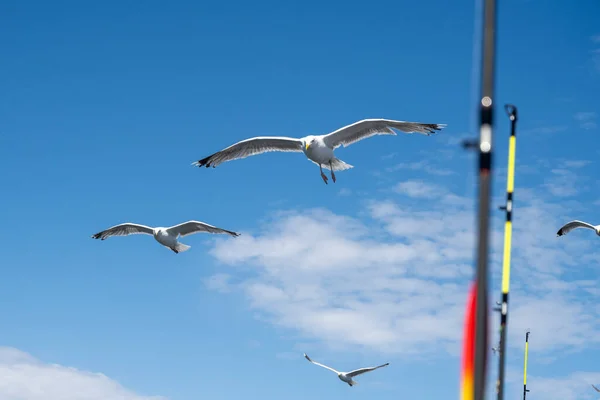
{"x":525,"y":390}
{"x":508,"y":207}
{"x":476,"y":329}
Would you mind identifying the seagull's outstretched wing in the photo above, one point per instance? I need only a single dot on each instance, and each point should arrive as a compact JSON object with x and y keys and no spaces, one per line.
{"x":319,"y":364}
{"x":569,"y":226}
{"x":370,"y":127}
{"x":191,"y":227}
{"x":123,"y":230}
{"x":250,"y":147}
{"x":356,"y":372}
{"x":597,"y":390}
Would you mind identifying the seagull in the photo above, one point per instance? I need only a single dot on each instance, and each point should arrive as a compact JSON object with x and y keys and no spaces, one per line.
{"x":318,"y":149}
{"x":568,"y":227}
{"x":496,"y":349}
{"x":347,"y":376}
{"x":165,"y":236}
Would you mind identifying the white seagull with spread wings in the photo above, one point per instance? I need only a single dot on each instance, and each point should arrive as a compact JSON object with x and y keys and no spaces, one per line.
{"x":347,"y":376}
{"x":569,"y":226}
{"x":318,"y":149}
{"x":165,"y":236}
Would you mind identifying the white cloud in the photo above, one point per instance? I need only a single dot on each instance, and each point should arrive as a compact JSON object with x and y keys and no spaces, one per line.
{"x":332,"y":278}
{"x":394,"y":280}
{"x":27,"y":378}
{"x":397,"y":279}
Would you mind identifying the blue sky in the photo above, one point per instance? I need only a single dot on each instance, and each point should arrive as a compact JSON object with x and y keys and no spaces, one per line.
{"x":105,"y":106}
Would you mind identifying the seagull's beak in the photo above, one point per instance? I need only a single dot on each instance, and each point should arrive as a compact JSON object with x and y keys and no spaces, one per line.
{"x":307,"y":145}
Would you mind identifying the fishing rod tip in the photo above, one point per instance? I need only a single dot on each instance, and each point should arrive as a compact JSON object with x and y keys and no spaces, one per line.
{"x":511,"y":111}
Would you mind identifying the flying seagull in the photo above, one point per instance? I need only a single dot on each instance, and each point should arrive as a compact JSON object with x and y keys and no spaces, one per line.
{"x":165,"y":236}
{"x":318,"y":149}
{"x":568,"y":227}
{"x":597,"y":390}
{"x":347,"y":376}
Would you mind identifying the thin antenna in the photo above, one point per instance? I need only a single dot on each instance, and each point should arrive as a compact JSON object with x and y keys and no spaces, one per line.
{"x":525,"y":390}
{"x":510,"y":184}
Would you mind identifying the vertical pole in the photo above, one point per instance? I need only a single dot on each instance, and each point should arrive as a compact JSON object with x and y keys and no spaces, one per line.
{"x":485,"y":167}
{"x":476,"y":325}
{"x":510,"y":183}
{"x":525,"y":390}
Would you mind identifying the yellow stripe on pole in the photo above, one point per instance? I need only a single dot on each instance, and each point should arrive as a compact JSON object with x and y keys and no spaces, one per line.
{"x":525,"y":369}
{"x":506,"y":262}
{"x":510,"y":183}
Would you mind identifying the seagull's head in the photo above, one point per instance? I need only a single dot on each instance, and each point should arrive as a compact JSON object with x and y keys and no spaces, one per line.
{"x":308,"y":141}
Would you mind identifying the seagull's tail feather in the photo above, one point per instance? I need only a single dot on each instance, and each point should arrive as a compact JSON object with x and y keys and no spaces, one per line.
{"x":180,"y":247}
{"x":353,"y":383}
{"x":338,"y":165}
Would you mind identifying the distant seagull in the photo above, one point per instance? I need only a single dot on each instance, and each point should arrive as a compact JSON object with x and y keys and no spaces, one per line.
{"x":318,"y":149}
{"x":597,"y":390}
{"x":568,"y":227}
{"x":496,"y":349}
{"x":347,"y":376}
{"x":165,"y":236}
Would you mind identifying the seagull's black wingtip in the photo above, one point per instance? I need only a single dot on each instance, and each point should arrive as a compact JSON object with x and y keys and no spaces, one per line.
{"x":432,"y":129}
{"x":205,"y":162}
{"x":560,"y":232}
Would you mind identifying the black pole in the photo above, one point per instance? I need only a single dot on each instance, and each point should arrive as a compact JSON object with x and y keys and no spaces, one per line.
{"x":512,"y":114}
{"x":485,"y":168}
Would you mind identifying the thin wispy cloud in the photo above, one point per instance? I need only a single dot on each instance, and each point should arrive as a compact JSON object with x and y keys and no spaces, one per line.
{"x":423,"y":165}
{"x":587,"y":119}
{"x":576,"y":163}
{"x":419,"y":189}
{"x":389,"y":156}
{"x":564,"y":180}
{"x":595,"y":53}
{"x":596,"y":59}
{"x":544,"y":130}
{"x":344,"y":192}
